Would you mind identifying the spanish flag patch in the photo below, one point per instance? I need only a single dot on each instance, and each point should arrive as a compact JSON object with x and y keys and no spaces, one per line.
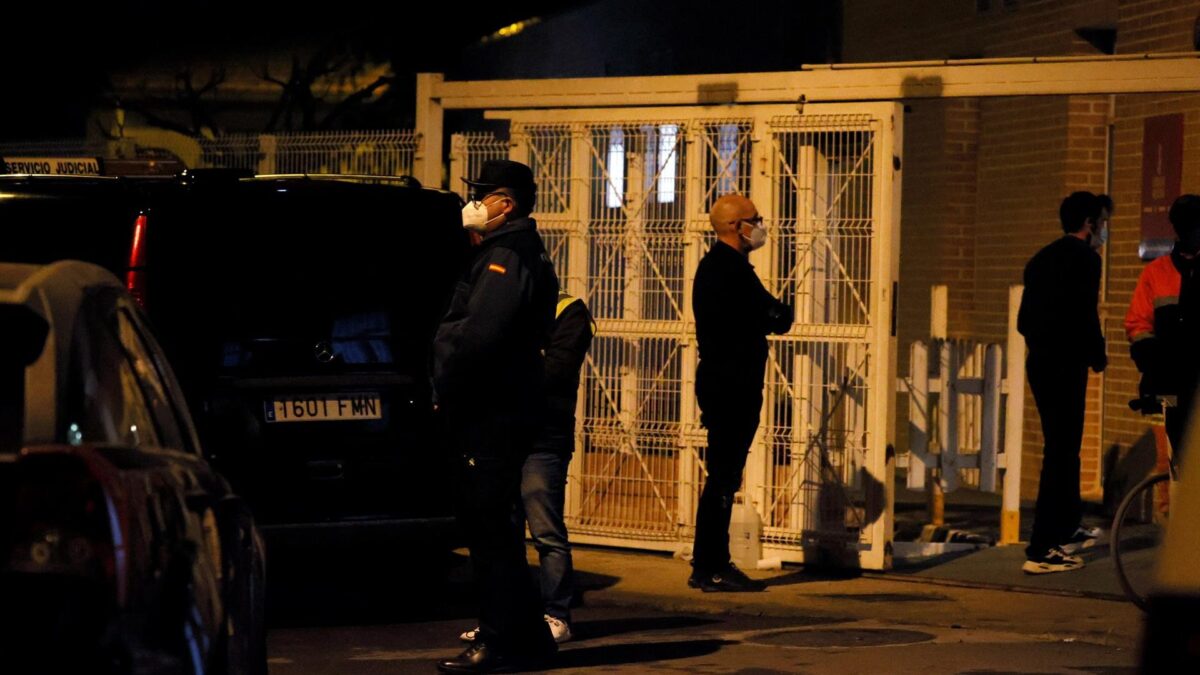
{"x":498,"y":269}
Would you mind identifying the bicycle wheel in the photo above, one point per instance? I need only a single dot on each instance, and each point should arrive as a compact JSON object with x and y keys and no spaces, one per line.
{"x":1137,"y":531}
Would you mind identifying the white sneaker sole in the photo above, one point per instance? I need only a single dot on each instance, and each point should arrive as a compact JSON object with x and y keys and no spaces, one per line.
{"x":1031,"y":567}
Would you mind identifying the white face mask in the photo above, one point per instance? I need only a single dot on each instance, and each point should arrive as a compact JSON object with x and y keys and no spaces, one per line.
{"x":758,"y":237}
{"x":1099,"y":239}
{"x":475,"y":217}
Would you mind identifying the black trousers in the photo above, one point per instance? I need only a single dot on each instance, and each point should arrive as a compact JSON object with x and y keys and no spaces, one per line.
{"x":1059,"y":385}
{"x":730,"y":412}
{"x":492,"y":451}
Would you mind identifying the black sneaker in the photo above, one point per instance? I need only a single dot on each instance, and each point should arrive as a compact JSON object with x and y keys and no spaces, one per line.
{"x":1054,"y":560}
{"x":728,"y":580}
{"x":1083,"y":538}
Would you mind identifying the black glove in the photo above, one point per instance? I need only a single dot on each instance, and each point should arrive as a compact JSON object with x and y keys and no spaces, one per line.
{"x":1145,"y":354}
{"x":1146,"y":405}
{"x":780,"y":318}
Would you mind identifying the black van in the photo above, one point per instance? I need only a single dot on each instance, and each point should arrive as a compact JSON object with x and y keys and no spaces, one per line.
{"x":298,"y":313}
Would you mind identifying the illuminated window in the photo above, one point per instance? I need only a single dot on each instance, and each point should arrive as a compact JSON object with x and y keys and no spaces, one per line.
{"x":668,"y":135}
{"x":727,"y":147}
{"x":616,"y":169}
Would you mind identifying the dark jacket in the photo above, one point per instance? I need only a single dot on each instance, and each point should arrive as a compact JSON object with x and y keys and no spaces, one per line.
{"x":569,"y":343}
{"x":487,"y":355}
{"x":1058,"y":315}
{"x":1163,"y":325}
{"x":734,"y":314}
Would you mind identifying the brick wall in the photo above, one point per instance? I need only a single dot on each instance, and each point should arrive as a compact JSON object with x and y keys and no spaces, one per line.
{"x":886,"y":30}
{"x":1144,"y":26}
{"x":983,"y":178}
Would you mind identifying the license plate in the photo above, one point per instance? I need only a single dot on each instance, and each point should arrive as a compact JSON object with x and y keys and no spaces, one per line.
{"x":323,"y":408}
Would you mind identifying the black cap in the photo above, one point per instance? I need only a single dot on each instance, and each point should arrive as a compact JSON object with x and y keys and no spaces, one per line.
{"x":503,"y":173}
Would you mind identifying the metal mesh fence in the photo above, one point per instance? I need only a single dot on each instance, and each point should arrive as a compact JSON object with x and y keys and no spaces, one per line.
{"x":376,"y":153}
{"x":821,"y":172}
{"x":623,"y":207}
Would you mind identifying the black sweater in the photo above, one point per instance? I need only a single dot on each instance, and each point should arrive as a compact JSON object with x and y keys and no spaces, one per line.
{"x":734,"y":313}
{"x":1058,"y":314}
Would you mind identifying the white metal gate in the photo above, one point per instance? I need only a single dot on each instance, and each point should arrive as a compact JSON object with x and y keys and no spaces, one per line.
{"x":623,"y":201}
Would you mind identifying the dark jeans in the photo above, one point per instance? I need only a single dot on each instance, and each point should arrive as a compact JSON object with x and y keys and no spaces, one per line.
{"x":491,"y":455}
{"x":731,"y":416}
{"x":543,"y":489}
{"x":1059,"y":387}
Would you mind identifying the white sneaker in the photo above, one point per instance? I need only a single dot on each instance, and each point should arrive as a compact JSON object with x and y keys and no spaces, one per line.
{"x":1052,"y":561}
{"x":470,"y":635}
{"x":1083,"y":538}
{"x":558,"y":628}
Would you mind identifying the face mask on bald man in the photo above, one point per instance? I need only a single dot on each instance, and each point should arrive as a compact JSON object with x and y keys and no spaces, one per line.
{"x":758,"y":233}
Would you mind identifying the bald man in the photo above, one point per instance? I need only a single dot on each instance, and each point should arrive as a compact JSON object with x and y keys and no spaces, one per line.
{"x":734,"y":314}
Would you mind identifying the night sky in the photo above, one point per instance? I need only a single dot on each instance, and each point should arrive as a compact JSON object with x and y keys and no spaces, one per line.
{"x":56,"y":55}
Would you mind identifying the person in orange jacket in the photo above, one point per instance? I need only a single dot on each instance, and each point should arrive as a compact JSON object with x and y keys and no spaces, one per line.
{"x":1163,"y":321}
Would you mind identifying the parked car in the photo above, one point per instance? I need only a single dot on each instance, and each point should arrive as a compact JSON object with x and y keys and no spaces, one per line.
{"x":121,"y":549}
{"x":49,"y":218}
{"x":299,"y":313}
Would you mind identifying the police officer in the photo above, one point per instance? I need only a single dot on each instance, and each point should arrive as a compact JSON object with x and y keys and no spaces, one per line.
{"x":544,"y":475}
{"x":488,"y":384}
{"x":734,"y":313}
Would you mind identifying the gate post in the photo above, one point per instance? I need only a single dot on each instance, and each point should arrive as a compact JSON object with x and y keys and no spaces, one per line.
{"x":577,"y":285}
{"x":268,"y":149}
{"x":758,"y":464}
{"x":459,"y":160}
{"x":1014,"y":424}
{"x":939,"y":316}
{"x":427,"y":160}
{"x":693,"y":240}
{"x":885,"y":258}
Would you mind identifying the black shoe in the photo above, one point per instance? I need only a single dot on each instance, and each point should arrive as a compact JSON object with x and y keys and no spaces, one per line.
{"x":480,"y":658}
{"x":728,"y":580}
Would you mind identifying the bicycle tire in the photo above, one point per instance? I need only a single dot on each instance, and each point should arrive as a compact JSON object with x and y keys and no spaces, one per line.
{"x":1135,"y":496}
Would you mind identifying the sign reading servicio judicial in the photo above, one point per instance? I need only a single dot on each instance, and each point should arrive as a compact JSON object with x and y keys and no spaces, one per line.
{"x":51,"y":166}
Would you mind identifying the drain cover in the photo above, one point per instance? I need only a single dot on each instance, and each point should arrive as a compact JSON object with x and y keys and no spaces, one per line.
{"x":844,"y":637}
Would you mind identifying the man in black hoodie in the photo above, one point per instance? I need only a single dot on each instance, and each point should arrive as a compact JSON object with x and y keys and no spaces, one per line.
{"x":1061,"y":325}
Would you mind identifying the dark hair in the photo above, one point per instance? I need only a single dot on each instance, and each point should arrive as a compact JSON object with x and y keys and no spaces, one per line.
{"x":1078,"y":208}
{"x":1185,"y":214}
{"x":526,"y":199}
{"x":1106,"y":203}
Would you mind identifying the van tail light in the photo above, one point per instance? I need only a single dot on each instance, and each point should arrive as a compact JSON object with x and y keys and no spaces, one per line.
{"x":135,"y":278}
{"x":68,"y":517}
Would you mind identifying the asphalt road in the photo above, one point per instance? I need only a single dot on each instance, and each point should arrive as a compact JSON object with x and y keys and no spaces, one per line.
{"x":355,"y":614}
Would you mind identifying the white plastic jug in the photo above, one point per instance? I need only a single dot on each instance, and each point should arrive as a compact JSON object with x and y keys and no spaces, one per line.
{"x":745,"y":534}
